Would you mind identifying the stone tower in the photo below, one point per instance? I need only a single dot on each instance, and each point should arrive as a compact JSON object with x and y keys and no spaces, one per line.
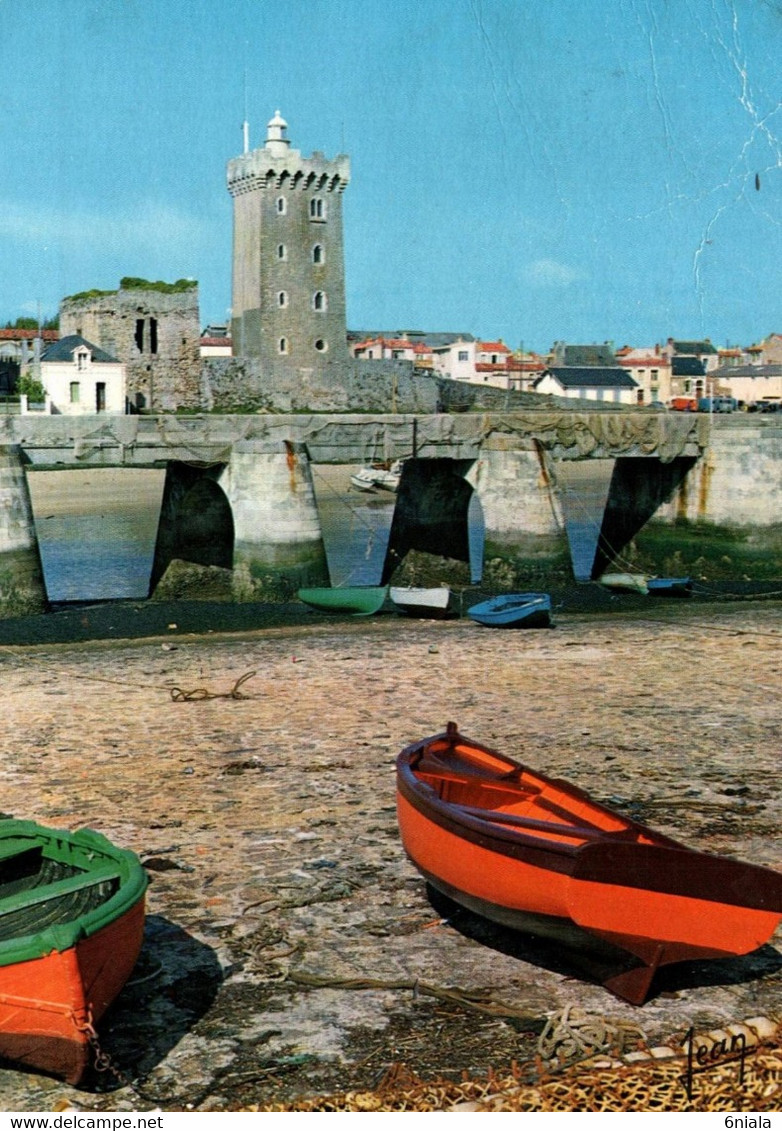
{"x":288,"y":259}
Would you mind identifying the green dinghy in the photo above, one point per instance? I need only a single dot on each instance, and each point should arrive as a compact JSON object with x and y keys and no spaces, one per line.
{"x":352,"y":600}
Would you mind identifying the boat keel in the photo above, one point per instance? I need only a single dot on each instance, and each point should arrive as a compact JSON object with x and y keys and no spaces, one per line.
{"x":633,"y":985}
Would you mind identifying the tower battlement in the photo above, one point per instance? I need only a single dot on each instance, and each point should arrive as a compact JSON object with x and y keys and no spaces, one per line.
{"x":263,"y":169}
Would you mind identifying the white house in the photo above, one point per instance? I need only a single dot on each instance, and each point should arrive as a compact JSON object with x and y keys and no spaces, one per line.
{"x":216,"y":347}
{"x":650,"y":367}
{"x":481,"y":363}
{"x":589,"y":383}
{"x":750,"y":384}
{"x":81,"y":378}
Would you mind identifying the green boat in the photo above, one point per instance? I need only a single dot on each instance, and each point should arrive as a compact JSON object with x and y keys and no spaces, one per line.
{"x":353,"y":600}
{"x":71,"y":928}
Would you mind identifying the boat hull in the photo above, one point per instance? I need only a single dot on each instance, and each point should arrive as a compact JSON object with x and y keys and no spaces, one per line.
{"x":550,"y":861}
{"x":360,"y":601}
{"x":625,"y":582}
{"x":433,"y":603}
{"x":670,"y":586}
{"x":513,"y":610}
{"x":49,"y":1005}
{"x":71,"y":928}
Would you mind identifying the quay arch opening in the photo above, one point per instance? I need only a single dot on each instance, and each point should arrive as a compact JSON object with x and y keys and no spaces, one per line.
{"x":196,"y":522}
{"x":436,"y":513}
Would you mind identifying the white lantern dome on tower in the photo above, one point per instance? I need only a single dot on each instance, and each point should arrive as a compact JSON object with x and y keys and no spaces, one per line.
{"x":276,"y":141}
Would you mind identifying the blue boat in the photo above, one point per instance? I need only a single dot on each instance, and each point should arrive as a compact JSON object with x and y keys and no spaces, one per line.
{"x":514,"y":610}
{"x":670,"y":586}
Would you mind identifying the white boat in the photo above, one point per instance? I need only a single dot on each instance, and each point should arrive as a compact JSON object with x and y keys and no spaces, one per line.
{"x":389,"y":480}
{"x":368,"y":478}
{"x":419,"y":602}
{"x":627,"y":582}
{"x":365,"y":479}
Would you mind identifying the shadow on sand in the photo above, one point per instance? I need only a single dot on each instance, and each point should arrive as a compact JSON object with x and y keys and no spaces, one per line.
{"x":174,"y":983}
{"x":595,"y":967}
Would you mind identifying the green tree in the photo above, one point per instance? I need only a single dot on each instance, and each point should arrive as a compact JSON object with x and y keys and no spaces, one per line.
{"x":22,"y":324}
{"x":28,"y":386}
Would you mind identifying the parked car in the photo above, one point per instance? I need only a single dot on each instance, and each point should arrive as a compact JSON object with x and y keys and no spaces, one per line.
{"x":717,"y":404}
{"x":684,"y":404}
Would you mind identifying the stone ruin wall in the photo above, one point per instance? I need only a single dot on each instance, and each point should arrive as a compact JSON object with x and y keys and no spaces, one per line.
{"x":156,"y":335}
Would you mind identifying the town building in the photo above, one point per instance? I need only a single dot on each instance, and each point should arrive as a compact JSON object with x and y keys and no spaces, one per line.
{"x":595,"y":354}
{"x":288,"y":291}
{"x":216,"y":342}
{"x":153,"y":328}
{"x":602,"y":383}
{"x":751,"y":386}
{"x":17,"y":352}
{"x":80,"y":378}
{"x":650,"y":368}
{"x":477,"y":362}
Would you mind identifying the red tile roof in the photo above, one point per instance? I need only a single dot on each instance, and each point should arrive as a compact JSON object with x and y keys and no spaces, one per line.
{"x":521,"y":365}
{"x":656,"y":360}
{"x":29,"y":335}
{"x":493,"y":347}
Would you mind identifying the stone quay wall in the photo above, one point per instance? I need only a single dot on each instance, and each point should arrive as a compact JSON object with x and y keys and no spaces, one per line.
{"x":231,"y":384}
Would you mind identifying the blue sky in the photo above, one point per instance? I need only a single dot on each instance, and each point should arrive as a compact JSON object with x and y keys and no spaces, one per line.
{"x":576,"y":169}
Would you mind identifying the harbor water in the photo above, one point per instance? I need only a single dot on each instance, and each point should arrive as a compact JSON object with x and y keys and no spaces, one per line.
{"x":97,"y":529}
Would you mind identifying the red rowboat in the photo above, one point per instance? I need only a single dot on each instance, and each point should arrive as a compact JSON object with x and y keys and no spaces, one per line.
{"x":539,"y":855}
{"x":71,"y":928}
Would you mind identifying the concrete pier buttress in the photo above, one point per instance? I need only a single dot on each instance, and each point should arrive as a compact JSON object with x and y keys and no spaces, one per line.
{"x":522,"y":511}
{"x":278,"y":540}
{"x":22,"y":589}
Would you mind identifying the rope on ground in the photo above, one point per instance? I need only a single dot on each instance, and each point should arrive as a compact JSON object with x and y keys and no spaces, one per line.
{"x":179,"y":695}
{"x":573,"y":1034}
{"x":470,"y":999}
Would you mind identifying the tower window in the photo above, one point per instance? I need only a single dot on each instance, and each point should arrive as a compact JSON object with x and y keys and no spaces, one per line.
{"x":321,"y":345}
{"x":153,"y":335}
{"x":318,"y":253}
{"x":282,"y":206}
{"x":282,"y":345}
{"x":319,"y":301}
{"x":317,"y":209}
{"x":139,"y":335}
{"x":282,"y":298}
{"x":282,"y":251}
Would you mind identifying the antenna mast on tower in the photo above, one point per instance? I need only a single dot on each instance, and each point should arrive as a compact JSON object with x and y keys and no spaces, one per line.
{"x":245,"y":123}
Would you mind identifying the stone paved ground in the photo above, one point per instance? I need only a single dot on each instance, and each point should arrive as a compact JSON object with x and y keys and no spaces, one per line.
{"x":268,"y":827}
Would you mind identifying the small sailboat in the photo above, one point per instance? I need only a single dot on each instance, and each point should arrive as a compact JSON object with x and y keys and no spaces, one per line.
{"x":364,"y":479}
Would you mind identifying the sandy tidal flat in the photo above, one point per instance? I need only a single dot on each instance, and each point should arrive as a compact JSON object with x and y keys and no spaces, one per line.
{"x":286,"y":930}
